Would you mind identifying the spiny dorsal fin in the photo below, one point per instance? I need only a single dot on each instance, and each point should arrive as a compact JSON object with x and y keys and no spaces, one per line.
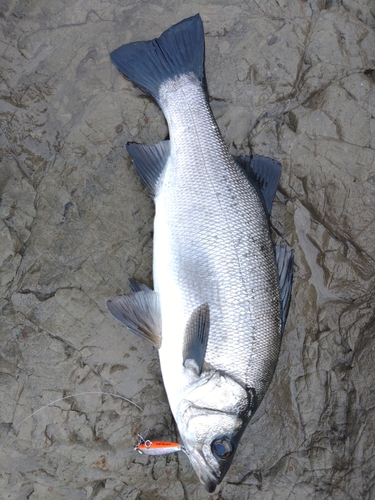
{"x":140,"y":312}
{"x":263,"y":173}
{"x":149,"y":162}
{"x":196,"y":337}
{"x":284,"y":262}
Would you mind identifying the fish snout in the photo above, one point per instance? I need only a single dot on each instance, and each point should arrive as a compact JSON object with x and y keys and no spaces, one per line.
{"x":210,"y":487}
{"x":207,"y":476}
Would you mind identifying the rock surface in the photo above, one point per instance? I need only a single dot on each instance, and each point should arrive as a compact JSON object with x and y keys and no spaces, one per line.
{"x":291,"y":79}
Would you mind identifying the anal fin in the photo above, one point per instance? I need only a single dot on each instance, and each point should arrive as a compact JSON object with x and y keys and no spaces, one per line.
{"x":149,"y":162}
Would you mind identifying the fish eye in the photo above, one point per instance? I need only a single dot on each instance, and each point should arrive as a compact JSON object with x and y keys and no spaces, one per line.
{"x":222,"y":448}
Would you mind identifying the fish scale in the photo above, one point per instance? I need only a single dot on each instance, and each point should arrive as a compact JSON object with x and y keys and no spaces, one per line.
{"x":222,"y":290}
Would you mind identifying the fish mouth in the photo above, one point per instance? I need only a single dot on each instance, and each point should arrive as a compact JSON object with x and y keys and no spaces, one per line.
{"x":206,"y":475}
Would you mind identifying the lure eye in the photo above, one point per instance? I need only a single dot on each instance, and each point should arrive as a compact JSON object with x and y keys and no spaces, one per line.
{"x":222,"y":448}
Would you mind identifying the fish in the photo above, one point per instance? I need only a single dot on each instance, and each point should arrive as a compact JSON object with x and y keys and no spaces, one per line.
{"x":222,"y":288}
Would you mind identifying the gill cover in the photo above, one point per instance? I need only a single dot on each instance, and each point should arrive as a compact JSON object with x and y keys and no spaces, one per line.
{"x":211,"y":420}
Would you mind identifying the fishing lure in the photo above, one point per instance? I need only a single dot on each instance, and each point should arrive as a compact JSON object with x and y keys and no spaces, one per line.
{"x":147,"y":447}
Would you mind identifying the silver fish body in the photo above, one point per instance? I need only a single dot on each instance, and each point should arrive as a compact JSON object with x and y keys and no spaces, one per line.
{"x":212,"y":244}
{"x":218,"y":305}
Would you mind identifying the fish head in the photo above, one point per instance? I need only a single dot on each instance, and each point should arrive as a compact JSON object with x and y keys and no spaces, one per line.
{"x":211,"y":419}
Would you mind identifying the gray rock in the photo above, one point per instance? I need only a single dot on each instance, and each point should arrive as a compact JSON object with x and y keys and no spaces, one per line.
{"x":288,"y":79}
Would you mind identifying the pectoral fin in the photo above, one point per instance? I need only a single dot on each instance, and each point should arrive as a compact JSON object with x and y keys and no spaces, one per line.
{"x":196,"y":338}
{"x":140,"y":312}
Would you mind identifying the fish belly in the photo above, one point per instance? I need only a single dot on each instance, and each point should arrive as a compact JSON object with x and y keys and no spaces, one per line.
{"x":212,"y":245}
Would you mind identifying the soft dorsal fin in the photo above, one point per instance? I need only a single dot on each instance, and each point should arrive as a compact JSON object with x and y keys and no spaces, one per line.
{"x":284,"y":262}
{"x":196,"y":337}
{"x":264,"y":173}
{"x":149,"y":162}
{"x":140,"y":312}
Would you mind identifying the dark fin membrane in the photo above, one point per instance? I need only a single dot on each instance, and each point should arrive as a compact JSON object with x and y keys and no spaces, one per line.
{"x":140,"y":312}
{"x":136,"y":286}
{"x":253,"y":402}
{"x":196,"y":337}
{"x":284,"y":262}
{"x":264,"y":174}
{"x":149,"y":162}
{"x":178,"y":51}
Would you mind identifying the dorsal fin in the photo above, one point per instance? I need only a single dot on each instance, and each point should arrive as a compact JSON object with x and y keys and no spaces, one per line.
{"x":284,"y":262}
{"x":263,"y":173}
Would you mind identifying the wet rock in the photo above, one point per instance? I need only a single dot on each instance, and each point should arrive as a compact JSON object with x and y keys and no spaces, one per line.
{"x":291,"y":79}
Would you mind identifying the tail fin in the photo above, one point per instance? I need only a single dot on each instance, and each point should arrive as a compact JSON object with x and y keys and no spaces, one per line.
{"x":179,"y":50}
